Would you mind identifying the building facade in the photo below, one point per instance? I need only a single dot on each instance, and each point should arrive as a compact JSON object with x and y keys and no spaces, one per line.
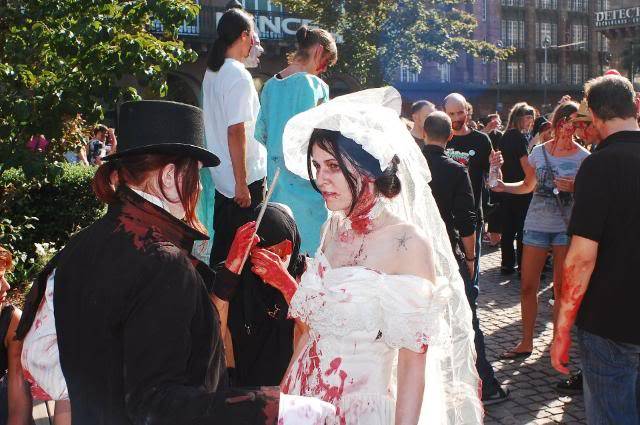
{"x":619,"y":22}
{"x":277,"y":30}
{"x":557,"y":48}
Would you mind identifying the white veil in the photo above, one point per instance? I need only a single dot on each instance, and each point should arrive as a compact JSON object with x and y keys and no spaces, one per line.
{"x":371,"y":118}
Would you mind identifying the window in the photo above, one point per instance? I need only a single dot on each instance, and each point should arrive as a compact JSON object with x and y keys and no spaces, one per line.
{"x":513,"y":72}
{"x":445,"y":72}
{"x":546,"y":4}
{"x":544,"y":30}
{"x":407,"y":75}
{"x":512,"y":33}
{"x":191,"y":27}
{"x":578,"y":73}
{"x":603,"y":42}
{"x":552,"y":73}
{"x":579,"y":33}
{"x":516,"y":3}
{"x":603,"y":5}
{"x":578,"y":5}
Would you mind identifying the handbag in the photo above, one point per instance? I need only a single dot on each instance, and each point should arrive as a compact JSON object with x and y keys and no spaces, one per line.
{"x":556,"y":192}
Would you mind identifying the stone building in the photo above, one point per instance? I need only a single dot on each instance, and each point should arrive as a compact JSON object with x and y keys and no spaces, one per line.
{"x":525,"y":75}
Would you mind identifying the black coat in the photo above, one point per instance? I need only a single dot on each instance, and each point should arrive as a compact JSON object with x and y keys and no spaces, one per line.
{"x":138,"y":335}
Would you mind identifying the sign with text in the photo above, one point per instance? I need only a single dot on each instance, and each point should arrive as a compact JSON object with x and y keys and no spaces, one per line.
{"x":275,"y":26}
{"x":618,"y":17}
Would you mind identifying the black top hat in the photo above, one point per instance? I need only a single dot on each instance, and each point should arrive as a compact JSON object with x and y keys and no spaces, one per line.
{"x":158,"y":126}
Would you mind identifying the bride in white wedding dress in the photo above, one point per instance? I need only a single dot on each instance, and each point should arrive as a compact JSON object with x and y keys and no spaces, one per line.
{"x":383,"y":284}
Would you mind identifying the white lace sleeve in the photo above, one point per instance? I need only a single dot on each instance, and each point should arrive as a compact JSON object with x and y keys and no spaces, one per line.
{"x":412,"y":312}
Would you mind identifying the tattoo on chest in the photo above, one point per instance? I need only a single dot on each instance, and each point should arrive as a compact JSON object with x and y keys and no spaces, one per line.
{"x":402,"y":242}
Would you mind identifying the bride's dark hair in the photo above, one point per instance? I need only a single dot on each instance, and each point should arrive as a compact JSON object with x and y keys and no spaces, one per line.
{"x":386,"y":182}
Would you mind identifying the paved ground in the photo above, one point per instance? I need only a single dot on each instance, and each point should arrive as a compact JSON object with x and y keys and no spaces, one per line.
{"x":532,"y":381}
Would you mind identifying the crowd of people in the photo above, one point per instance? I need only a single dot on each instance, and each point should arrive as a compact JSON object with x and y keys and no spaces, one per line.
{"x":548,"y":212}
{"x":348,"y":292}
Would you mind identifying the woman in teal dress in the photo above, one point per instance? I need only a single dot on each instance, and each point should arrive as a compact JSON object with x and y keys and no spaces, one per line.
{"x":296,"y":89}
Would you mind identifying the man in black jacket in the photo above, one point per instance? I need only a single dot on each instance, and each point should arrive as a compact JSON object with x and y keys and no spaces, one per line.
{"x":452,"y":191}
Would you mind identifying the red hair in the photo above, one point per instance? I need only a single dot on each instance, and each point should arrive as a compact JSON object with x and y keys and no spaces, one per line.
{"x":137,"y":169}
{"x":6,"y":259}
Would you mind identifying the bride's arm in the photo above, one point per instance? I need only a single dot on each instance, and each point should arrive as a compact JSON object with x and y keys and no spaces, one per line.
{"x":411,"y":366}
{"x":301,"y":335}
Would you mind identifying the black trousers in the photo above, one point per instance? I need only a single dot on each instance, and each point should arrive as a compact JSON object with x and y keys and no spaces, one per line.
{"x":513,"y":210}
{"x":225,"y":210}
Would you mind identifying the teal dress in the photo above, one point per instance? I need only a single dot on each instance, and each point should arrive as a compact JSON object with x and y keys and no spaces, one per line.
{"x":280,"y":100}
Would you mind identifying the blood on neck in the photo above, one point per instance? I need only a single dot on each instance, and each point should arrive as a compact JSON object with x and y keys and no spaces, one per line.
{"x":360,"y":217}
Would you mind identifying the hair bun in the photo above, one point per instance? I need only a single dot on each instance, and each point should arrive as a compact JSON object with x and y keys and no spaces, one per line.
{"x":388,"y":184}
{"x":302,"y":34}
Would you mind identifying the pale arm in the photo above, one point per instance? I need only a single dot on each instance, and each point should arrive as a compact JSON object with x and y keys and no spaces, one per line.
{"x":523,"y":187}
{"x":20,"y":405}
{"x":303,"y":331}
{"x":578,"y":266}
{"x":238,"y":153}
{"x":411,"y":382}
{"x":223,"y":311}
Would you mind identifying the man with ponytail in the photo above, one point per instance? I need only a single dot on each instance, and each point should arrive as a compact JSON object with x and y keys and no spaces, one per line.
{"x":231,"y":105}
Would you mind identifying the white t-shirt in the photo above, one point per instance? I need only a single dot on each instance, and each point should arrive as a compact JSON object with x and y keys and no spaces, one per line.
{"x":229,"y":97}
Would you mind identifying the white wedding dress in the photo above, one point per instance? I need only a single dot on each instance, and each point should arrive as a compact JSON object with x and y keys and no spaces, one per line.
{"x":357,"y":320}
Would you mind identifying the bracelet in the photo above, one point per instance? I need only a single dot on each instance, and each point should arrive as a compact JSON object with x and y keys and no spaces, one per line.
{"x":470,"y":259}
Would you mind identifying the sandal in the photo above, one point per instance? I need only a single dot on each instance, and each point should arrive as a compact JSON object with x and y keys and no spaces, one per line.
{"x":514,"y":355}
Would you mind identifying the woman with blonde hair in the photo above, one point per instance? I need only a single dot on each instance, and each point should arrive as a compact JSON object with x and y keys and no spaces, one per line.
{"x":549,"y":172}
{"x":296,"y":89}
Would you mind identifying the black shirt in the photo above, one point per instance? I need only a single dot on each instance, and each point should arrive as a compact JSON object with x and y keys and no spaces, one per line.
{"x":513,"y":146}
{"x":607,"y":210}
{"x":473,"y":150}
{"x":451,"y":189}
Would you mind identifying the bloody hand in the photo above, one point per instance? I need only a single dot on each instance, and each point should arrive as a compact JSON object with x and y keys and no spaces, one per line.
{"x":560,"y":351}
{"x":242,"y":242}
{"x":272,"y":270}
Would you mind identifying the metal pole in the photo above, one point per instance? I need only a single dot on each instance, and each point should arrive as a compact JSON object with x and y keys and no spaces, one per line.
{"x":545,"y":45}
{"x":498,"y":108}
{"x":632,"y":71}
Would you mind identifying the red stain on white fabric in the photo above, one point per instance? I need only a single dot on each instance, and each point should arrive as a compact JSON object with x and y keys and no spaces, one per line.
{"x":40,"y":356}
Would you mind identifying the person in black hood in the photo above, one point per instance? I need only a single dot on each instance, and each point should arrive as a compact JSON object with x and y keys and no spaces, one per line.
{"x":261,"y":333}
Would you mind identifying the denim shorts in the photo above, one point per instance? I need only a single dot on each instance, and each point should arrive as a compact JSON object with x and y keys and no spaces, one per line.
{"x":544,"y":239}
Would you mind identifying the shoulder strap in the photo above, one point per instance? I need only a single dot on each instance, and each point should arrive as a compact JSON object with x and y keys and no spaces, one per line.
{"x":556,"y":194}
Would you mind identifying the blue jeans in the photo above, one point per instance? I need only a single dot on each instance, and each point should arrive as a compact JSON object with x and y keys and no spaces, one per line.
{"x":611,"y":373}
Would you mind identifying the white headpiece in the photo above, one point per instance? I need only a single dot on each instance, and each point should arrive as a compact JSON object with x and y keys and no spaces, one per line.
{"x":371,"y":119}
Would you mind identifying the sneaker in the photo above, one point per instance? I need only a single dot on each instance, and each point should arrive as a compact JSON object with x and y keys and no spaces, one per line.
{"x":501,"y":395}
{"x":571,"y":385}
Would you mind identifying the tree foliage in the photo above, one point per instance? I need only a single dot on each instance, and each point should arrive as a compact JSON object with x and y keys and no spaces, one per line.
{"x":64,"y":61}
{"x":380,"y":35}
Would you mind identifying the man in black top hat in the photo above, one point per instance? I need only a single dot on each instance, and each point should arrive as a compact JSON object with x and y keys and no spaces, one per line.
{"x":138,"y":337}
{"x":453,"y":193}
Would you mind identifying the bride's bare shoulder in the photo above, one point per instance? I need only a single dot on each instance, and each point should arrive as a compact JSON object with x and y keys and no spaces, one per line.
{"x":412,"y":251}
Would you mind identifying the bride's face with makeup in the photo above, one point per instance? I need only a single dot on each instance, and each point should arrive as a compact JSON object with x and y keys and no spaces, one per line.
{"x":331,"y":181}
